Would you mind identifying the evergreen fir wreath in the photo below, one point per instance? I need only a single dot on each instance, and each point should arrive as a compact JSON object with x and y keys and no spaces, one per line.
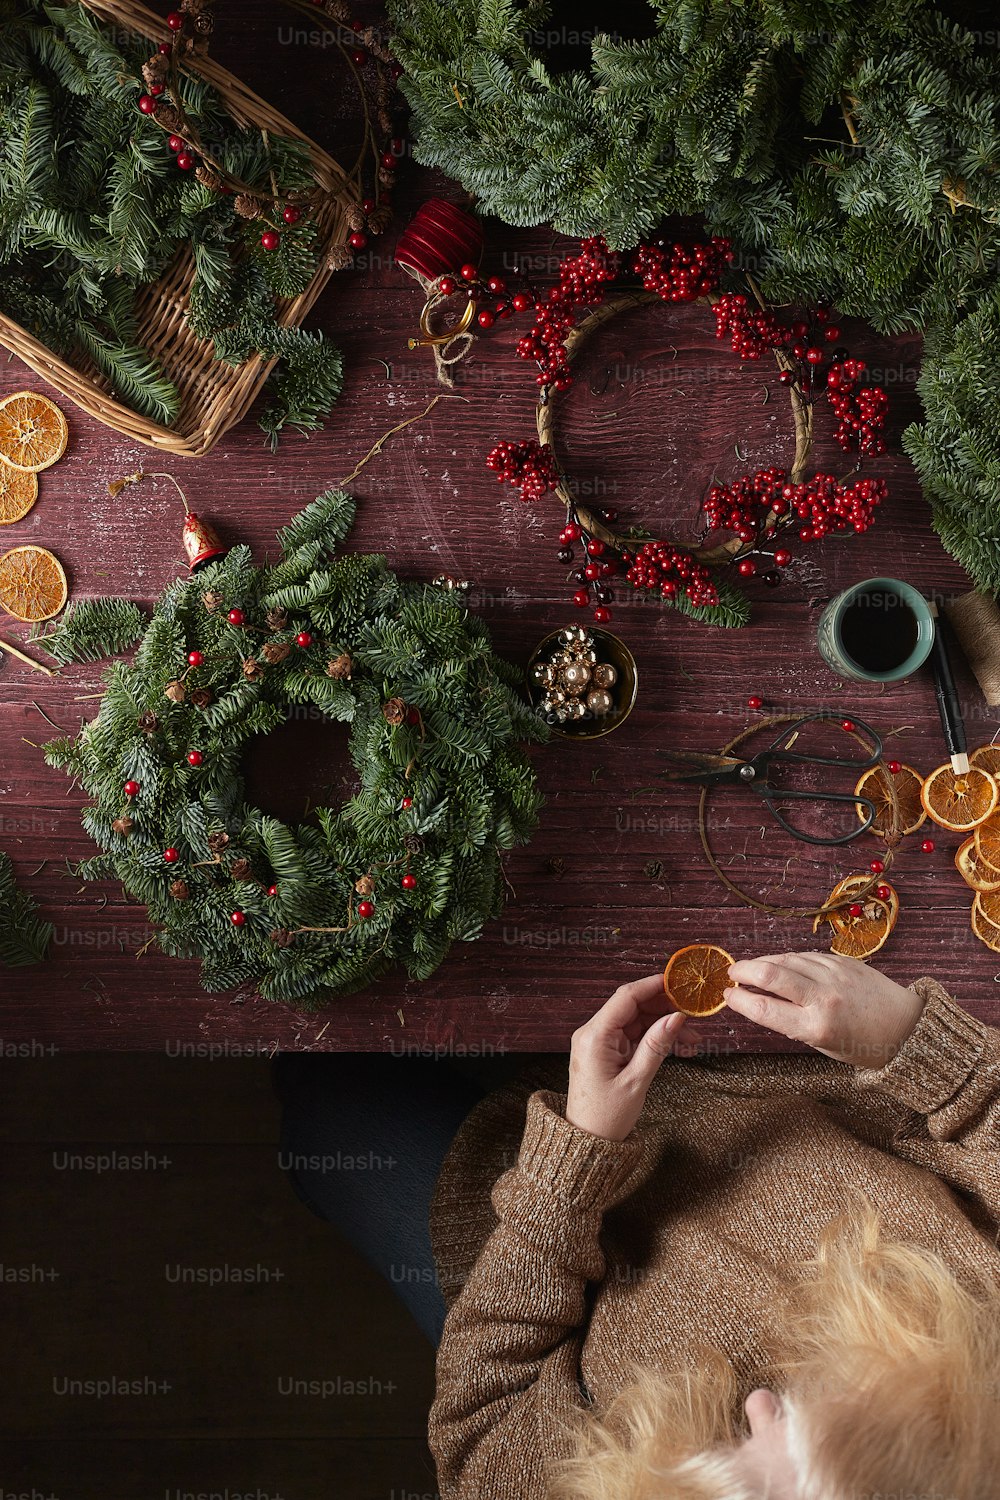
{"x":409,"y":865}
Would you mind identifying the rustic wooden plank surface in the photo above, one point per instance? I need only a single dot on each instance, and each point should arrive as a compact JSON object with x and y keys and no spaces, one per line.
{"x":615,"y":878}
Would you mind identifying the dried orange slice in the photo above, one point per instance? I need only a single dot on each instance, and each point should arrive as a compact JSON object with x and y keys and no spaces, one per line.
{"x":959,"y":801}
{"x":33,"y":431}
{"x":973,"y":870}
{"x":852,"y":884}
{"x":32,"y":584}
{"x":907,"y":782}
{"x":18,"y":493}
{"x":986,"y":931}
{"x":987,"y":758}
{"x":860,"y":937}
{"x":987,"y":903}
{"x":987,"y":837}
{"x":695,"y":978}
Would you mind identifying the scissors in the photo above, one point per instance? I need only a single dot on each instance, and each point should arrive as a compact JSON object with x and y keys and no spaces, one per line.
{"x":754,"y":773}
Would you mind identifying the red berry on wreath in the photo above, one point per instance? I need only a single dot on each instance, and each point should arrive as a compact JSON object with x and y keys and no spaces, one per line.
{"x":272,"y":890}
{"x":271,"y":239}
{"x":303,"y":639}
{"x":406,"y":802}
{"x":884,"y":892}
{"x":876,"y":867}
{"x":581,"y":598}
{"x":176,"y":143}
{"x":446,"y":286}
{"x":747,"y":567}
{"x":147,"y":104}
{"x":468,"y":272}
{"x":927,"y":846}
{"x":855,"y":909}
{"x":131,"y":789}
{"x":409,"y":882}
{"x":755,"y":702}
{"x":357,"y":240}
{"x":781,"y":557}
{"x":388,"y":160}
{"x":413,"y":716}
{"x":832,"y":333}
{"x":814,"y":355}
{"x":595,"y":547}
{"x":195,"y":757}
{"x":894,"y":767}
{"x":602,"y":615}
{"x":359,"y":57}
{"x":496,"y":285}
{"x":786,"y":377}
{"x":185,"y":161}
{"x":238,"y":918}
{"x":175,"y":20}
{"x":165,"y":49}
{"x":156,"y":89}
{"x":171,"y":856}
{"x":522,"y":301}
{"x":195,"y":658}
{"x":485,"y":318}
{"x":847,"y":725}
{"x":291,"y":214}
{"x":235,"y":617}
{"x":366,"y":909}
{"x":574,"y":531}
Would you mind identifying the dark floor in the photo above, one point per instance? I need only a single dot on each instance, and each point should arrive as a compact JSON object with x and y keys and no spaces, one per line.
{"x":92,"y":1277}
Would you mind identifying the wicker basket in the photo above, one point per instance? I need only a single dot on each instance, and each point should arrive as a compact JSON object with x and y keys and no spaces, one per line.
{"x":214,"y":396}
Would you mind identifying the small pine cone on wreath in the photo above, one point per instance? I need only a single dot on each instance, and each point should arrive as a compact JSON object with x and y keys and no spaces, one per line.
{"x":176,"y":691}
{"x":169,"y":118}
{"x":394,"y":711}
{"x":148,"y":722}
{"x":340,"y":668}
{"x":339,"y":258}
{"x":365,"y":886}
{"x":209,"y":179}
{"x":247,"y":206}
{"x":379,"y":219}
{"x":338,"y":10}
{"x":277,"y":618}
{"x":124,"y":824}
{"x":218,"y":841}
{"x":179,"y":890}
{"x":386,"y":177}
{"x":201,"y":697}
{"x":156,"y":68}
{"x":211,"y":599}
{"x":355,"y":217}
{"x":413,"y":843}
{"x":252,"y":669}
{"x":241,"y":869}
{"x":282,"y":938}
{"x":276,"y":651}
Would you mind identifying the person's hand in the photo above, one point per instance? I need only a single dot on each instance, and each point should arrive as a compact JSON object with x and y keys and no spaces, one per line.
{"x":838,"y":1005}
{"x":614,"y":1057}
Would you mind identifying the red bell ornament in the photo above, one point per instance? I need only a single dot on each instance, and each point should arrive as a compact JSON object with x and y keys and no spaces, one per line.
{"x":202,"y":543}
{"x":440,"y":237}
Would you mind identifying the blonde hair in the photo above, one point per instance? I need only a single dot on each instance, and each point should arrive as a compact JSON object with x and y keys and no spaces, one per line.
{"x":890,"y":1366}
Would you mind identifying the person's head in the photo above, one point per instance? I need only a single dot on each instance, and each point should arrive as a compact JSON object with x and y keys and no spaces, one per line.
{"x":890,"y":1386}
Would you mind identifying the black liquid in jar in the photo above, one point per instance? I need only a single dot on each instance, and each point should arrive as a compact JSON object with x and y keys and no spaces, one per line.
{"x":878,"y":632}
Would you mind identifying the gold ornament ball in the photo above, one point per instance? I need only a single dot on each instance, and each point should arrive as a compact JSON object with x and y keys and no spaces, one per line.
{"x":605,"y":675}
{"x":576,"y":676}
{"x":600,"y":702}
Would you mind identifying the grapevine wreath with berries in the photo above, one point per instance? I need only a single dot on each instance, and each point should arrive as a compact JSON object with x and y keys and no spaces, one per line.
{"x":745,"y":524}
{"x":408,"y":865}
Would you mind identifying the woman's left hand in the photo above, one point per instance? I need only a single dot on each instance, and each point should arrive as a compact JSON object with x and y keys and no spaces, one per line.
{"x":616,"y":1054}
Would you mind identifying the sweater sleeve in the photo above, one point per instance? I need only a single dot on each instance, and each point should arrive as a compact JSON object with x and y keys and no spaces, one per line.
{"x":508,"y":1366}
{"x":948,"y":1072}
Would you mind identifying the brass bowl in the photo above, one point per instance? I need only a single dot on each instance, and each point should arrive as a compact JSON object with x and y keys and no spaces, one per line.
{"x":610,"y":649}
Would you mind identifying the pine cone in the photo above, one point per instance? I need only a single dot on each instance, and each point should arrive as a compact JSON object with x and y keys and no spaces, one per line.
{"x":282,"y":938}
{"x":355,"y":217}
{"x":339,"y":258}
{"x":176,"y":691}
{"x":209,"y":179}
{"x":252,"y":670}
{"x":340,"y":667}
{"x":201,"y":697}
{"x":277,"y":619}
{"x":124,"y":824}
{"x":204,"y":25}
{"x":179,"y":890}
{"x":246,"y":206}
{"x":211,"y":599}
{"x":276,"y":651}
{"x":195,"y":7}
{"x":413,"y":843}
{"x":156,"y":68}
{"x":394,"y":712}
{"x":242,"y":869}
{"x":218,"y":841}
{"x":379,"y":219}
{"x":169,"y":118}
{"x":338,"y":9}
{"x":387,"y":177}
{"x":364,"y":885}
{"x":148,"y":722}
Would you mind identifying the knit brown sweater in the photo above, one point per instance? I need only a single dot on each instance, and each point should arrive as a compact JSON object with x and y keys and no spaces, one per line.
{"x":596,"y":1255}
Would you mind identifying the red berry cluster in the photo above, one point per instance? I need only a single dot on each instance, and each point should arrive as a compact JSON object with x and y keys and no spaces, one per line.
{"x":824,"y":505}
{"x":750,"y":332}
{"x":671,"y":570}
{"x":746,"y":505}
{"x":581,"y":281}
{"x":862,"y":410}
{"x":529,"y":467}
{"x":480,"y":288}
{"x":682,"y":273}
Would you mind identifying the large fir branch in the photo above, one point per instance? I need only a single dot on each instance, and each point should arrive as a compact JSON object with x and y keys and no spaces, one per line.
{"x":93,"y":630}
{"x":24,"y":937}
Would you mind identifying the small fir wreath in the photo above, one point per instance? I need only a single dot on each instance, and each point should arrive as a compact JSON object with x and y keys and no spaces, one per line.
{"x":408,"y":865}
{"x":744,"y":523}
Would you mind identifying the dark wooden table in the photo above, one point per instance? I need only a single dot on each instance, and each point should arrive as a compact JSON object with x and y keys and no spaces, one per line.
{"x":615,"y":878}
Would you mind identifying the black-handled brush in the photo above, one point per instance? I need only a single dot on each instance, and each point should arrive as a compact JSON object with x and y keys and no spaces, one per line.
{"x":949,"y":707}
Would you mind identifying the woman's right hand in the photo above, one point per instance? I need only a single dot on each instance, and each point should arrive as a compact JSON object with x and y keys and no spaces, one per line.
{"x":835,"y":1004}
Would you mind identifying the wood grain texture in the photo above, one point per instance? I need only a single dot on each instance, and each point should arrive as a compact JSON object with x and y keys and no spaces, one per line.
{"x":615,"y":878}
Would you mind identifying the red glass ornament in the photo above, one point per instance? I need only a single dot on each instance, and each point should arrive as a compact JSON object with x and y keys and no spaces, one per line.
{"x":235,"y":617}
{"x":271,"y":239}
{"x":131,"y":789}
{"x":195,"y":757}
{"x":409,"y":882}
{"x":438,"y":238}
{"x":303,"y":639}
{"x":171,"y":856}
{"x":366,"y":909}
{"x":201,"y":542}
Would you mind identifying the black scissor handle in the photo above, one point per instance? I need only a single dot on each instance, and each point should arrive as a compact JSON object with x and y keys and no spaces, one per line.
{"x":776,"y":753}
{"x":773,"y":795}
